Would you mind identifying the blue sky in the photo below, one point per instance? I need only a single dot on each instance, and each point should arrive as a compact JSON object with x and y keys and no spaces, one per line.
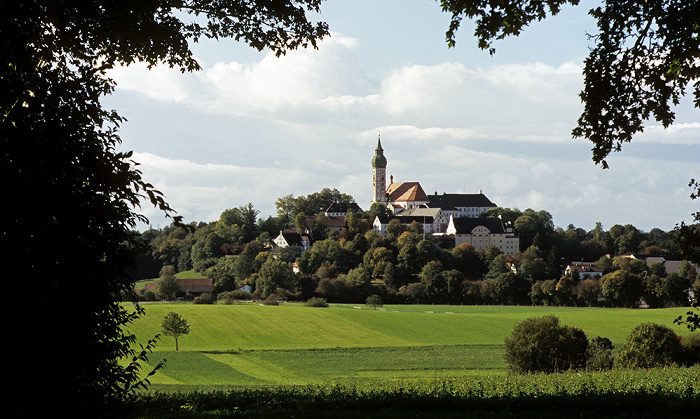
{"x":250,"y":127}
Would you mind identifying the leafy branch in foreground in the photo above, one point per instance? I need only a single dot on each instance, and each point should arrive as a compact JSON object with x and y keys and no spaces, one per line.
{"x":70,"y":230}
{"x":131,"y":380}
{"x":692,"y":319}
{"x":645,"y":55}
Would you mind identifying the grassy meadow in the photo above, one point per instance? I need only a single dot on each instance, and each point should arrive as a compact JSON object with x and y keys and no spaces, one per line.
{"x":253,"y":345}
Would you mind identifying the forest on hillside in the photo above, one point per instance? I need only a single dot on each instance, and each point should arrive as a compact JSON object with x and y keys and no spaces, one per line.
{"x":408,"y":266}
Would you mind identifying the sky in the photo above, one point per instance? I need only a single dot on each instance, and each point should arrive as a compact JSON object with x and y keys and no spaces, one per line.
{"x":250,"y":127}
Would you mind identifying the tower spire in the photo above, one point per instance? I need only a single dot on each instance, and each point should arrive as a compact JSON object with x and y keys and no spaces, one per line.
{"x":379,"y":173}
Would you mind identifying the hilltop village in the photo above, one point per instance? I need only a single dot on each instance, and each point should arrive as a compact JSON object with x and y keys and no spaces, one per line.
{"x":453,"y":215}
{"x":413,"y":247}
{"x":451,"y":219}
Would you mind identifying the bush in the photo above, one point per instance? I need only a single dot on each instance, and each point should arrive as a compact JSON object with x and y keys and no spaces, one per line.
{"x":691,"y":349}
{"x":540,"y":344}
{"x":316,"y":302}
{"x":272,"y":300}
{"x":205,"y":298}
{"x":148,"y":295}
{"x":650,"y":345}
{"x":230,"y":296}
{"x":599,"y":355}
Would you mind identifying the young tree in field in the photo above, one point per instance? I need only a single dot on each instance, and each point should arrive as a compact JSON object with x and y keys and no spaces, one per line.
{"x":175,"y":325}
{"x":374,"y":301}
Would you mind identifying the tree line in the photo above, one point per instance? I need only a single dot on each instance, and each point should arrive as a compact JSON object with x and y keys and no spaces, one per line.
{"x":408,"y":266}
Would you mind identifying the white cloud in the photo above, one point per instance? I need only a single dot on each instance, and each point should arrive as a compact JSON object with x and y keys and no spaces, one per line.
{"x":513,"y":102}
{"x":310,"y":120}
{"x":201,"y":192}
{"x":680,"y":133}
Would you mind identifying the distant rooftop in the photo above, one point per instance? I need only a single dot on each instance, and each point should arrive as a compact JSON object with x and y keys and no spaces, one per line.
{"x":453,"y":200}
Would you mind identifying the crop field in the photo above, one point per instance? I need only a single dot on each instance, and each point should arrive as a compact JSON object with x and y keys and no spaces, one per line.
{"x":253,"y":345}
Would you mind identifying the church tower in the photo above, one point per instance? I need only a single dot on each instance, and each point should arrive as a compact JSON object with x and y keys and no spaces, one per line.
{"x":379,"y":174}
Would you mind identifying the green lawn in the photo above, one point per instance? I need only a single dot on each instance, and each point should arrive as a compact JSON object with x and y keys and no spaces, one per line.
{"x":251,"y":344}
{"x":141,"y":284}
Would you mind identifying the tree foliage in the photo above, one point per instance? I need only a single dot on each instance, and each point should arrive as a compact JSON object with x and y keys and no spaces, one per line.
{"x":541,"y":344}
{"x":288,"y":206}
{"x":59,"y":155}
{"x":374,"y":301}
{"x":166,"y":285}
{"x":650,"y":345}
{"x":645,"y":55}
{"x":175,"y":325}
{"x":599,"y":355}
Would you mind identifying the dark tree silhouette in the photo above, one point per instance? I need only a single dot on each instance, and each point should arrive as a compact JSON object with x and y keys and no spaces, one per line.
{"x":71,"y":198}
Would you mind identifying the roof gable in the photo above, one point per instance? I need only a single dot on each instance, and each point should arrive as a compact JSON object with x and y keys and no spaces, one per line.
{"x":425,"y":212}
{"x":343,"y":207}
{"x":406,"y":192}
{"x":467,"y":225}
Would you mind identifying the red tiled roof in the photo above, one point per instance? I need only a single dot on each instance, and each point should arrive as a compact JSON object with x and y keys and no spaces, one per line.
{"x":406,"y":191}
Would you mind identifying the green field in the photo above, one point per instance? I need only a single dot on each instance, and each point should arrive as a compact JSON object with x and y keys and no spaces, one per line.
{"x":141,"y":284}
{"x":252,"y":344}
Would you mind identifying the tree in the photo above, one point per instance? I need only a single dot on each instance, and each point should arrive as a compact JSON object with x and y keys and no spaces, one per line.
{"x":621,"y":288}
{"x":509,"y":289}
{"x":166,"y":286}
{"x":658,"y":269}
{"x":674,"y":291}
{"x":274,"y":274}
{"x":435,"y":284}
{"x":288,"y":206}
{"x":645,"y":54}
{"x":395,"y":228}
{"x":692,"y":319}
{"x":541,"y":344}
{"x":378,"y":209}
{"x":650,"y":345}
{"x":241,"y":222}
{"x":60,"y":147}
{"x":175,"y":325}
{"x":687,"y":271}
{"x":466,"y":260}
{"x":498,"y":266}
{"x":374,"y":301}
{"x":599,"y":355}
{"x":223,"y":274}
{"x":301,"y":222}
{"x":589,"y":290}
{"x":531,"y":265}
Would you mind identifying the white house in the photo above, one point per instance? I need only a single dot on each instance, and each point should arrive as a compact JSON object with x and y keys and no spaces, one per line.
{"x":437,"y":218}
{"x":483,"y":232}
{"x":292,"y":238}
{"x":586,"y":270}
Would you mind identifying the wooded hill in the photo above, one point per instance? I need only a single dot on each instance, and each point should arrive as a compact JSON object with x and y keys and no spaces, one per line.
{"x":407,"y":266}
